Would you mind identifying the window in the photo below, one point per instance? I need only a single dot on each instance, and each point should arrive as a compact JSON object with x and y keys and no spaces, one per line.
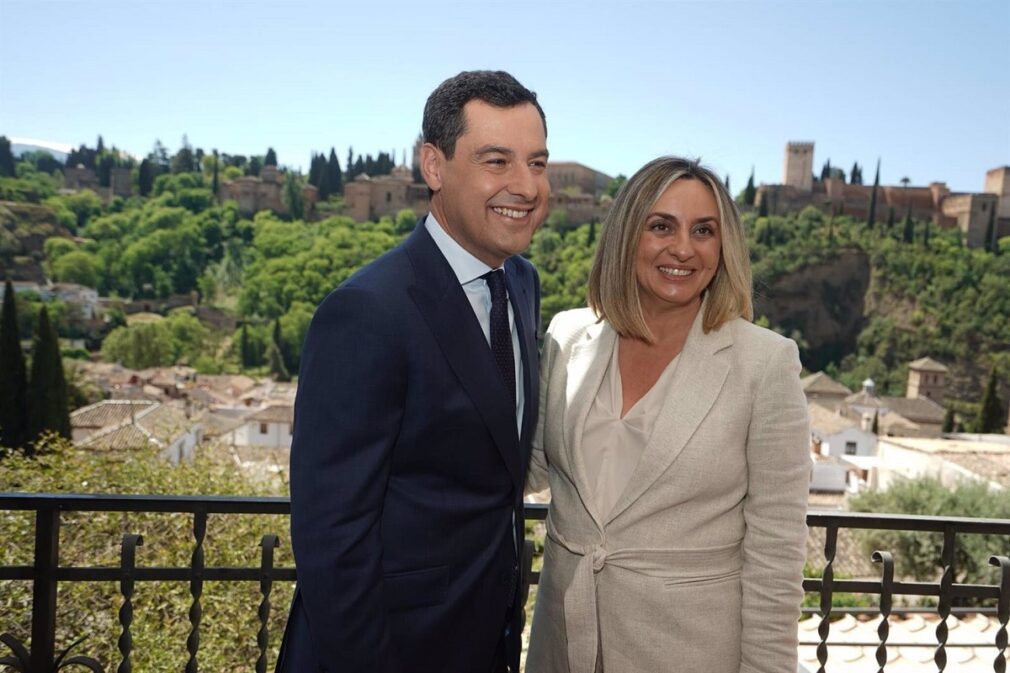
{"x":263,"y":428}
{"x":850,"y":448}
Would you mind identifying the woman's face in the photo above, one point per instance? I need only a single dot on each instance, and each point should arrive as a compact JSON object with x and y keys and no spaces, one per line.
{"x":679,"y":250}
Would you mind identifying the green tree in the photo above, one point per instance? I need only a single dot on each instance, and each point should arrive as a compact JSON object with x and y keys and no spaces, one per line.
{"x":749,"y":191}
{"x":276,"y":361}
{"x":615,"y":185}
{"x":334,"y":175}
{"x":245,"y":348}
{"x":293,"y":196}
{"x":183,"y":161}
{"x":890,"y":218}
{"x":14,"y":382}
{"x":948,"y":421}
{"x":145,"y":177}
{"x":77,"y":267}
{"x":214,"y":184}
{"x":917,"y":555}
{"x":871,"y":216}
{"x":271,"y":158}
{"x":908,"y":233}
{"x":140,"y":346}
{"x":990,"y":414}
{"x":47,"y":386}
{"x":763,"y":208}
{"x":6,"y":158}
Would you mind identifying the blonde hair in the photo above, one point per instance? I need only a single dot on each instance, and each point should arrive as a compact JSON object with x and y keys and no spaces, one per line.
{"x":613,"y":285}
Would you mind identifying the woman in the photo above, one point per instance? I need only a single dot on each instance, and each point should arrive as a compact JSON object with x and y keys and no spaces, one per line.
{"x":674,"y":438}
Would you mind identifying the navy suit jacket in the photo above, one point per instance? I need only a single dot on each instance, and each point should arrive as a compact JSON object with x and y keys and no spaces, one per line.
{"x":407,"y":473}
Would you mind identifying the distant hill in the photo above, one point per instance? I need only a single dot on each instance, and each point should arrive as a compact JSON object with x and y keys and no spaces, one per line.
{"x":60,"y":151}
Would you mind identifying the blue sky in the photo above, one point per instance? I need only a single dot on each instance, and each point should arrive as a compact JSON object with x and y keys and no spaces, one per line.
{"x":924,"y":85}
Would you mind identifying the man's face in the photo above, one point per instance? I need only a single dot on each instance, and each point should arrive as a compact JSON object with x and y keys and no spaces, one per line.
{"x":492,"y":194}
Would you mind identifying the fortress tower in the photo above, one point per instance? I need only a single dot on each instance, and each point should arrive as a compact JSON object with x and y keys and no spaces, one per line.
{"x":997,"y":181}
{"x":799,"y":166}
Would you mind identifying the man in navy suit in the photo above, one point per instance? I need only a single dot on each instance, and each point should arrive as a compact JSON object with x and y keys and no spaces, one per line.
{"x":416,"y":402}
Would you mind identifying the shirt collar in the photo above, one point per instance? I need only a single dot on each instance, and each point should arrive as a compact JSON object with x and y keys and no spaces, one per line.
{"x":466,"y":267}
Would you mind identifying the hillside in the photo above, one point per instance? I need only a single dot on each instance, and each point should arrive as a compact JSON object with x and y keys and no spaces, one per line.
{"x":860,"y":302}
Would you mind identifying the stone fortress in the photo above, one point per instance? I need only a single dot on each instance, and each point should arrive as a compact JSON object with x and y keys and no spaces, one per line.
{"x":970,"y":212}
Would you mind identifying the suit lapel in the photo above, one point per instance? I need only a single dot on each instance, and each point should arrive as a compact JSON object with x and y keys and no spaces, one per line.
{"x":447,"y":311}
{"x":695,"y":385}
{"x":525,"y":321}
{"x":586,"y":367}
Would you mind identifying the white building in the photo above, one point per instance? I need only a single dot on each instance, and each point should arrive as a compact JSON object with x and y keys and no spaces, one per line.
{"x":949,"y":460}
{"x":268,"y":428}
{"x":844,"y":453}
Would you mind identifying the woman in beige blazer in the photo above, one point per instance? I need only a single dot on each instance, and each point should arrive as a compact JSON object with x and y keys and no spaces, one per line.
{"x":674,"y":438}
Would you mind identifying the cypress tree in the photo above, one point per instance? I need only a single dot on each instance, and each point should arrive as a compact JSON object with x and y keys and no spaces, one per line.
{"x":948,"y":421}
{"x":908,"y":235}
{"x":271,"y":158}
{"x":277,"y":368}
{"x":145,"y":177}
{"x":826,"y":170}
{"x":727,"y":183}
{"x":6,"y":158}
{"x":875,"y":429}
{"x":350,"y":164}
{"x":324,"y":181}
{"x":214,"y":180}
{"x":245,"y":348}
{"x":991,"y":244}
{"x":314,"y":170}
{"x":925,"y":235}
{"x":749,"y":191}
{"x":990,"y":413}
{"x":871,"y":216}
{"x":890,"y":218}
{"x":14,"y":382}
{"x":292,"y":197}
{"x":47,"y":387}
{"x":334,"y":174}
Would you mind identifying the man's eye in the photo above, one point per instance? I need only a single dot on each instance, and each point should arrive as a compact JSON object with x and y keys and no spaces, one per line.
{"x":540,"y":165}
{"x":496,"y":162}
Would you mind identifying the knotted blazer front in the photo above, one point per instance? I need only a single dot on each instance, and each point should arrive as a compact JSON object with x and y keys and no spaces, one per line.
{"x":698,"y":567}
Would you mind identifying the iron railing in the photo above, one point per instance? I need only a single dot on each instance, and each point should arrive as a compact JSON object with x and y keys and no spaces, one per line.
{"x":46,"y":573}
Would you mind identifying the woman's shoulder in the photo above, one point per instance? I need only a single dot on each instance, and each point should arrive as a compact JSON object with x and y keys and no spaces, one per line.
{"x":760,"y":339}
{"x":569,"y":325}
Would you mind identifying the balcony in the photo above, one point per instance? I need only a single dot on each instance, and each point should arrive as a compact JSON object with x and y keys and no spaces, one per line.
{"x":55,"y":516}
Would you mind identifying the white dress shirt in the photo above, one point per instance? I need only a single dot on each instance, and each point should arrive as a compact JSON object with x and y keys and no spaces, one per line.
{"x":468,"y":270}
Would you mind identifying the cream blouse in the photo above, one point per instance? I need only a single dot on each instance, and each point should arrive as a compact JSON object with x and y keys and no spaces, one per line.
{"x":612,"y":445}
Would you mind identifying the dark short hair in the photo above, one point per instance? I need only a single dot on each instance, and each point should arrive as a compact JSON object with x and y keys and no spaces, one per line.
{"x":443,"y":121}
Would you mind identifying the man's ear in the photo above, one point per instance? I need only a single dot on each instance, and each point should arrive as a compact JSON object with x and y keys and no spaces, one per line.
{"x":432,"y":165}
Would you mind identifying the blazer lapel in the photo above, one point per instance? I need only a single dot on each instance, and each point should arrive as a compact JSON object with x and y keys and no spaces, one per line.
{"x":442,"y":302}
{"x":525,"y":328}
{"x":694,"y":388}
{"x":586,"y":367}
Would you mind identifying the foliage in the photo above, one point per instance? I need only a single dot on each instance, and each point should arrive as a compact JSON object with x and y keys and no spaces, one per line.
{"x":917,"y":554}
{"x":47,"y":386}
{"x":14,"y":382}
{"x":161,"y":625}
{"x":990,"y":413}
{"x":178,"y":339}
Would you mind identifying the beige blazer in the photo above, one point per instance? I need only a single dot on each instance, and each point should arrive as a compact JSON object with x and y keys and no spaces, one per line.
{"x":698,"y":567}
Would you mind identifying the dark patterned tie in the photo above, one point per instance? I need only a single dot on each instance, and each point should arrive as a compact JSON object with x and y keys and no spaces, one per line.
{"x":501,"y":335}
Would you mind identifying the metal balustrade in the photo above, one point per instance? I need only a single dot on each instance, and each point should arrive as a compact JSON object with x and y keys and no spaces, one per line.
{"x":46,"y":573}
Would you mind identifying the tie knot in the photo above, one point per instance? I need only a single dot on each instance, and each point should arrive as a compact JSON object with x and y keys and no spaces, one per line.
{"x":496,"y":283}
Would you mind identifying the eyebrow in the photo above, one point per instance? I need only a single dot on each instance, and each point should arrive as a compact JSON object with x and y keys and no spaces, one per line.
{"x":500,"y":149}
{"x":673,"y":218}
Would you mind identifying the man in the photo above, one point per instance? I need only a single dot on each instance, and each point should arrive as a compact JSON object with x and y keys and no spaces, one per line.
{"x":416,"y":403}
